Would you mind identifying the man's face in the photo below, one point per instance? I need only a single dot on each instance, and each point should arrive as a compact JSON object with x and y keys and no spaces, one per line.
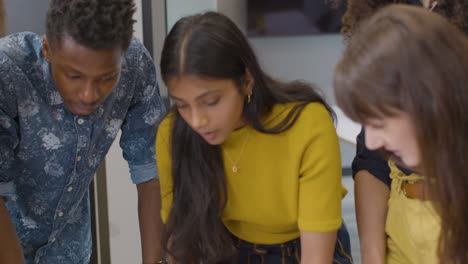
{"x":84,"y":77}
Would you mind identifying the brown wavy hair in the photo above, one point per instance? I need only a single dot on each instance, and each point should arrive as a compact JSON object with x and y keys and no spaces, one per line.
{"x":407,"y":59}
{"x":358,"y":10}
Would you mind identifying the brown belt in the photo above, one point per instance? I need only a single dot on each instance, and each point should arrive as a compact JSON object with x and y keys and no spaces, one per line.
{"x":416,"y":190}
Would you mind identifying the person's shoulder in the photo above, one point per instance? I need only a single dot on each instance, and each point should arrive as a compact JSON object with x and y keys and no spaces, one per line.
{"x":315,"y":111}
{"x":312,"y":110}
{"x":165,"y":127}
{"x":135,"y":44}
{"x":315,"y":119}
{"x":136,"y":49}
{"x":21,"y":46}
{"x":313,"y":116}
{"x":314,"y":122}
{"x":22,"y":40}
{"x":137,"y":57}
{"x":168,"y":119}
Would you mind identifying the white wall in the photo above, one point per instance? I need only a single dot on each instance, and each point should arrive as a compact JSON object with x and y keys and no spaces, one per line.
{"x":236,"y":10}
{"x":34,"y":11}
{"x":180,"y":8}
{"x":138,"y":26}
{"x":309,"y":58}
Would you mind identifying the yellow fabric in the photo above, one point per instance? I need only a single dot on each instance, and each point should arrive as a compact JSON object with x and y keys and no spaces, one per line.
{"x":412,"y":226}
{"x":285,"y":182}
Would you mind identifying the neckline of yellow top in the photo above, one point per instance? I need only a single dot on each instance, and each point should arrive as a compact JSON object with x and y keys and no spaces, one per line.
{"x":235,"y":164}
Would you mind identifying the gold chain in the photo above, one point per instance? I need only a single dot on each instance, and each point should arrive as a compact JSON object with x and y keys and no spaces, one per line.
{"x":234,"y":167}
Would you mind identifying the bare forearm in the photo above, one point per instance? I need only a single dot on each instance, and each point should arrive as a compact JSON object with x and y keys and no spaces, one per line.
{"x":371,"y":198}
{"x":151,"y":227}
{"x":10,"y":249}
{"x":317,"y":248}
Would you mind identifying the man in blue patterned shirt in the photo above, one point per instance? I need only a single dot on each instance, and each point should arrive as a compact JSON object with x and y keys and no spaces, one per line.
{"x":63,"y":99}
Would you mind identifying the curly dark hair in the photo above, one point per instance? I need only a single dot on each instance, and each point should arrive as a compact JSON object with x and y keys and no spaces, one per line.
{"x":96,"y":24}
{"x":455,"y":11}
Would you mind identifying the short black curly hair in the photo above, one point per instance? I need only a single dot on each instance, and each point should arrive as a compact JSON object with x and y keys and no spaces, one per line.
{"x":96,"y":24}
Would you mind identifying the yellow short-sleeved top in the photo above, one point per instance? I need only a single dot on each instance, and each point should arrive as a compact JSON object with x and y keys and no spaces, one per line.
{"x":285,"y":182}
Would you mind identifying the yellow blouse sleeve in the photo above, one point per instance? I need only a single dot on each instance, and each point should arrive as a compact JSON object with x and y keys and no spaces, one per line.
{"x":163,"y":161}
{"x":320,"y":188}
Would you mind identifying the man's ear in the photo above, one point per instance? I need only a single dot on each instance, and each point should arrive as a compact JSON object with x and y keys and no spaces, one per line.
{"x":46,"y":48}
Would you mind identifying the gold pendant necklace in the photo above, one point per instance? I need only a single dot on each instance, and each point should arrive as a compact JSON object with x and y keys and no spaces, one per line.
{"x":234,"y":167}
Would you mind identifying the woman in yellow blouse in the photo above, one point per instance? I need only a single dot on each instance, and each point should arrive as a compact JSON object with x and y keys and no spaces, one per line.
{"x":249,"y":167}
{"x":404,"y":76}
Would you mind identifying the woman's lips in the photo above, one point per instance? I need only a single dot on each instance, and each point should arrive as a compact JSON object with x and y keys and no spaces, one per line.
{"x":209,"y":135}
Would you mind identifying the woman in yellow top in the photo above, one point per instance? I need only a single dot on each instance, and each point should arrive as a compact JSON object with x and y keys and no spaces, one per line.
{"x":249,"y":167}
{"x":404,"y":76}
{"x":387,"y":208}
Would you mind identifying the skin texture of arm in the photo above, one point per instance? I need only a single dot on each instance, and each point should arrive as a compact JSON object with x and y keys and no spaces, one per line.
{"x":10,"y":249}
{"x":371,"y":201}
{"x":317,"y":247}
{"x":151,"y":226}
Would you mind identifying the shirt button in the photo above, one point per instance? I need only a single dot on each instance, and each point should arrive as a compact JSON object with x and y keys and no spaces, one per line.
{"x":60,"y":214}
{"x":70,"y":189}
{"x":78,"y":158}
{"x":80,"y":121}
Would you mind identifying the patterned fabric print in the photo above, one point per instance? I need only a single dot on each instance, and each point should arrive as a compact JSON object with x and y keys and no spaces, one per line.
{"x":48,"y":155}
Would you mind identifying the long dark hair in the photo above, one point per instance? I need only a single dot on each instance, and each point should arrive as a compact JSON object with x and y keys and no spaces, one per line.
{"x":408,"y":59}
{"x":210,"y":45}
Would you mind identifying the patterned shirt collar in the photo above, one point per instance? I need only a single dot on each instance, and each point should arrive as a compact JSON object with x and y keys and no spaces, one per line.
{"x":53,"y":95}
